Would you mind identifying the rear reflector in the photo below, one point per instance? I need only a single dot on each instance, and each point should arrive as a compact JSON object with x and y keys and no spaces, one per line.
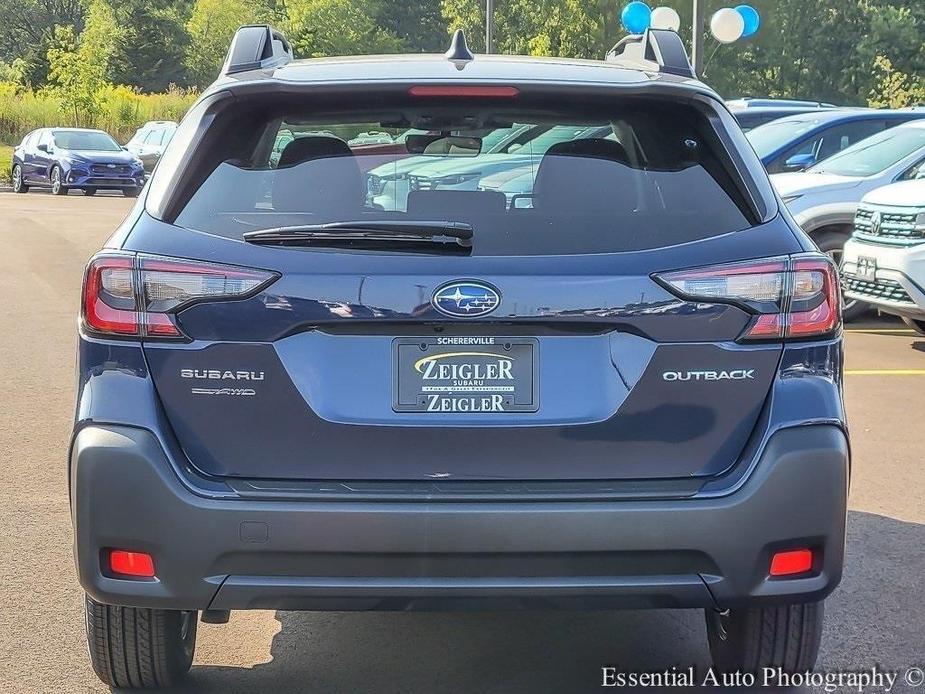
{"x":469,"y":90}
{"x":137,"y":564}
{"x":792,"y":562}
{"x":125,"y":295}
{"x":795,"y":297}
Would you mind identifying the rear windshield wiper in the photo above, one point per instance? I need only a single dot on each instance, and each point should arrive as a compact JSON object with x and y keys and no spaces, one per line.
{"x":421,"y":236}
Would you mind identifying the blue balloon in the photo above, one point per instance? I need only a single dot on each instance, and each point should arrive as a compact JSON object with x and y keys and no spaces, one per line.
{"x":751,"y":17}
{"x":636,"y":17}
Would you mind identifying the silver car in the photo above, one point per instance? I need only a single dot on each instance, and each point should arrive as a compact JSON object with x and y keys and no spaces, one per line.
{"x":150,"y":140}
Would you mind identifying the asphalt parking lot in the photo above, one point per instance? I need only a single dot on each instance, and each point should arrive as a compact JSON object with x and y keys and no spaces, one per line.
{"x":876,"y":617}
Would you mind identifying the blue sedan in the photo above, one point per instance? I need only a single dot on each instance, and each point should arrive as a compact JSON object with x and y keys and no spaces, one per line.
{"x":65,"y":158}
{"x":797,"y":142}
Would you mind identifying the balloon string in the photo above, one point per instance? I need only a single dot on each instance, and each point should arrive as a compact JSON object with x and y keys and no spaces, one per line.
{"x":710,"y":59}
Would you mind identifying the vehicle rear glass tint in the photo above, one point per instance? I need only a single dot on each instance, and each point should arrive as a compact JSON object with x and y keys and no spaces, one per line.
{"x":528,"y":182}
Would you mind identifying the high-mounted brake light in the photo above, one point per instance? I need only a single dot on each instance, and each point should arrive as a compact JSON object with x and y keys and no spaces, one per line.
{"x":470,"y":90}
{"x":795,"y":297}
{"x":128,"y":295}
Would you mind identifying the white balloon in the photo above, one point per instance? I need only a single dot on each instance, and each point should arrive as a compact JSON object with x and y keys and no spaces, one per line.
{"x":727,"y":25}
{"x":666,"y":18}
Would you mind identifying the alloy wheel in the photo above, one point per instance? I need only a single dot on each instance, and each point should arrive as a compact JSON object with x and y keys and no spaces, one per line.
{"x":17,"y":178}
{"x":56,"y":180}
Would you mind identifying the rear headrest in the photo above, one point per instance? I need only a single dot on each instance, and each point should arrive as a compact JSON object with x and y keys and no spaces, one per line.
{"x":594,"y":147}
{"x":318,"y":174}
{"x":591,"y":176}
{"x":303,"y":149}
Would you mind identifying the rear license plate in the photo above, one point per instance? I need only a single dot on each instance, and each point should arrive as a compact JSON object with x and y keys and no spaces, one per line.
{"x":464,"y":374}
{"x":866,"y":268}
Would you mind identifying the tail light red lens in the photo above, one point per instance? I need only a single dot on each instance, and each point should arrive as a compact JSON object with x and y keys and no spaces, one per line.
{"x":135,"y":564}
{"x":138,"y":296}
{"x":794,"y":297}
{"x":108,"y":305}
{"x":791,"y":562}
{"x":815,"y":307}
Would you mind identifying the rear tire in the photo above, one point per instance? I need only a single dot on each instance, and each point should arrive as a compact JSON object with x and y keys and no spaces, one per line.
{"x":778,"y":636}
{"x":90,"y":191}
{"x":132,"y":647}
{"x":19,"y":184}
{"x":916,"y":324}
{"x":130,"y":192}
{"x":832,"y":243}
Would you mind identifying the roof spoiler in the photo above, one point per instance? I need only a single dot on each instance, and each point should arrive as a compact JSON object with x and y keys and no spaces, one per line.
{"x":256,"y":47}
{"x":657,"y":50}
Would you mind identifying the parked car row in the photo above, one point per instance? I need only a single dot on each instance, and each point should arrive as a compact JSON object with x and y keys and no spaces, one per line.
{"x":62,"y":159}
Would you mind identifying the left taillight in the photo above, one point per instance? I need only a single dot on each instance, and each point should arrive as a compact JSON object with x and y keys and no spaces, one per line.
{"x":131,"y":295}
{"x":790,"y":297}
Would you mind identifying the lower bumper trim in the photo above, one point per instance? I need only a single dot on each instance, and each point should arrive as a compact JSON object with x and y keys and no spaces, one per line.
{"x":404,"y":593}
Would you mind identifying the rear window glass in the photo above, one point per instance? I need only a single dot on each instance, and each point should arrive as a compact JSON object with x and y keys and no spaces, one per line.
{"x":875,"y":154}
{"x":770,"y":137}
{"x":526,"y":182}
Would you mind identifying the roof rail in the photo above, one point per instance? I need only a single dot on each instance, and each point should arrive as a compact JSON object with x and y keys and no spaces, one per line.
{"x":657,"y":50}
{"x":256,"y":47}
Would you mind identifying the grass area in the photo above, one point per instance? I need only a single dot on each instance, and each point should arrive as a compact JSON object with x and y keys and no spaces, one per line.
{"x":117,"y":110}
{"x":6,"y":158}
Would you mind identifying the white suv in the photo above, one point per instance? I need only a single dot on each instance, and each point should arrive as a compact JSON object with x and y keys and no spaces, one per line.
{"x":884,"y":261}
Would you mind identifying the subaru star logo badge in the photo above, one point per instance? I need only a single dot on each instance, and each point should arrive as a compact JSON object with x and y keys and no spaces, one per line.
{"x":466,"y":299}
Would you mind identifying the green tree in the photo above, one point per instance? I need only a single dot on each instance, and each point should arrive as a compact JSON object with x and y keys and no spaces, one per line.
{"x":78,"y":65}
{"x":13,"y":73}
{"x":564,"y":28}
{"x":211,"y":28}
{"x":27,"y":31}
{"x":151,"y":44}
{"x":419,"y":24}
{"x":336,"y":27}
{"x":894,"y":89}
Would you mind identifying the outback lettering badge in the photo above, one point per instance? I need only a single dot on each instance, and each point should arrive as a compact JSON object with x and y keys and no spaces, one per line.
{"x":733,"y":375}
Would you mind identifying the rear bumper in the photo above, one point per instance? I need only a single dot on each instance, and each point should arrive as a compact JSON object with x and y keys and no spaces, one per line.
{"x":335,"y":555}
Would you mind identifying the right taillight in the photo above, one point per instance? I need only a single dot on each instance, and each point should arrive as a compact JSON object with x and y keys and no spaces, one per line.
{"x":791,"y":297}
{"x":815,"y":301}
{"x":131,"y":295}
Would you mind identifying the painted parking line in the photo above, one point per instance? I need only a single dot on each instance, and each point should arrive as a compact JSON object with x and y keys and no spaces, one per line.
{"x":885,"y":372}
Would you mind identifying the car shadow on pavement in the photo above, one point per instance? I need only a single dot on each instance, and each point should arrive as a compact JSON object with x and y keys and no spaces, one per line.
{"x":874,"y":618}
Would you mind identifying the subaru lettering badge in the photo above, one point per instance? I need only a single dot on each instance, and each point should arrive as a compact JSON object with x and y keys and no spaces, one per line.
{"x":466,"y":299}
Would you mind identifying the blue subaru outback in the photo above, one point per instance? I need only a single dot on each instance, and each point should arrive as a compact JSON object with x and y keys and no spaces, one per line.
{"x":620,"y":389}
